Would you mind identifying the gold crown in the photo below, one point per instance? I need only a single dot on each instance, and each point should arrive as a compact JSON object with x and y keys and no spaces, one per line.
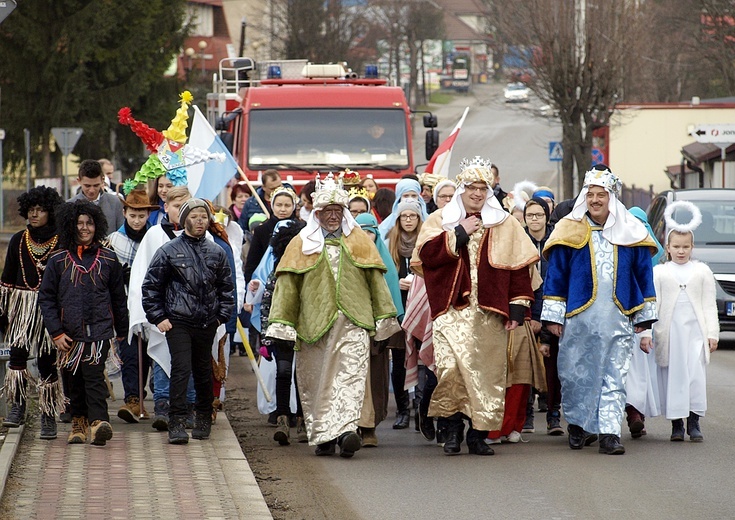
{"x":329,"y":191}
{"x":358,"y":192}
{"x":604,"y":178}
{"x":349,"y":177}
{"x":475,"y":170}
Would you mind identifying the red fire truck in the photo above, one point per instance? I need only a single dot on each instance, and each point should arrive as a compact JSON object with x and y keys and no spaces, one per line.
{"x":302,"y":119}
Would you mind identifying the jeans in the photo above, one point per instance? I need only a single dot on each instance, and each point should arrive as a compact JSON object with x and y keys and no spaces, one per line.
{"x":88,"y":390}
{"x":191,"y":355}
{"x":130,"y":369}
{"x":161,"y":383}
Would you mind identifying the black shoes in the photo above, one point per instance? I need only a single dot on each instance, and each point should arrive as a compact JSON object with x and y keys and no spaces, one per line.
{"x":426,"y":427}
{"x":160,"y":415}
{"x":17,"y":415}
{"x":453,"y":442}
{"x":677,"y":430}
{"x":478,"y":447}
{"x":695,"y":434}
{"x":48,"y":427}
{"x":578,"y":438}
{"x":553,"y":425}
{"x":325,"y":449}
{"x":349,"y":443}
{"x":202,"y":426}
{"x":610,"y":445}
{"x":176,"y":430}
{"x":403,"y":420}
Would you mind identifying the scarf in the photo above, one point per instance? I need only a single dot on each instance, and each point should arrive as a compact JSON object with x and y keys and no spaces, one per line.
{"x":406,"y":243}
{"x":135,"y":236}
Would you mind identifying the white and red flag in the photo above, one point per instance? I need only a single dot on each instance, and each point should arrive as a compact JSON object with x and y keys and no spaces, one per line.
{"x":441,"y":160}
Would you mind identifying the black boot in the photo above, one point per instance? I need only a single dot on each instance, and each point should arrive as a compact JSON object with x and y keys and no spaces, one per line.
{"x":426,"y":427}
{"x":160,"y":415}
{"x":403,"y":413}
{"x":176,"y":430}
{"x":17,"y":415}
{"x":441,"y":430}
{"x":455,"y":436}
{"x":677,"y":430}
{"x":476,"y":442}
{"x":610,"y":444}
{"x":48,"y":427}
{"x":578,"y":438}
{"x":695,"y":434}
{"x":202,"y":426}
{"x":325,"y":449}
{"x":349,"y":443}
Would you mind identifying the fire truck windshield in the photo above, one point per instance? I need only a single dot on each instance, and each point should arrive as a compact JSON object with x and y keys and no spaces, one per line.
{"x":373,"y":138}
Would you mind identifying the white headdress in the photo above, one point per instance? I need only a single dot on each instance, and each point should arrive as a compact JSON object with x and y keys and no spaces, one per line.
{"x":621,"y":227}
{"x":476,"y":170}
{"x":327,"y":192}
{"x":682,"y":206}
{"x":522,"y":192}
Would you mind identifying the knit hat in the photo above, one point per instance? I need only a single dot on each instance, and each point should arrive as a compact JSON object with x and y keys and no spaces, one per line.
{"x":409,"y":205}
{"x":191,"y":204}
{"x":539,"y":201}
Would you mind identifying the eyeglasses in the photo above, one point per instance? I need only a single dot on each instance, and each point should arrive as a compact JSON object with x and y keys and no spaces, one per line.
{"x":535,"y":216}
{"x":444,"y":197}
{"x":478,"y":189}
{"x":409,"y":218}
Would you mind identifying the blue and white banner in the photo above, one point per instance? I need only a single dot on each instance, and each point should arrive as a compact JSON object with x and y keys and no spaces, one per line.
{"x":207,"y":179}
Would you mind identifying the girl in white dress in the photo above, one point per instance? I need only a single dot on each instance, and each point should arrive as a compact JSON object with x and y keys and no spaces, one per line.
{"x":687,"y":330}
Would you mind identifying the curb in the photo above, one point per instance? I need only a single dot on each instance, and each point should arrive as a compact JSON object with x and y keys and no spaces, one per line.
{"x":7,"y":453}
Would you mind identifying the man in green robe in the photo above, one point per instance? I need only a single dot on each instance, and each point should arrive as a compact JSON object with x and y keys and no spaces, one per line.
{"x":330,"y":297}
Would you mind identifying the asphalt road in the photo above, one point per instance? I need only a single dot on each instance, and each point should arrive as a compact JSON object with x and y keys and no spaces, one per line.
{"x":512,"y":136}
{"x":407,"y":477}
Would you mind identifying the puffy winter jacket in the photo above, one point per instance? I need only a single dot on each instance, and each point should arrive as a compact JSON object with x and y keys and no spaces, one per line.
{"x":189,"y":279}
{"x":84,"y":297}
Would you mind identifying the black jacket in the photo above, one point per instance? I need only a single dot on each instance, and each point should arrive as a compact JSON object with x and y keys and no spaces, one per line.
{"x":189,"y":279}
{"x":84,"y":297}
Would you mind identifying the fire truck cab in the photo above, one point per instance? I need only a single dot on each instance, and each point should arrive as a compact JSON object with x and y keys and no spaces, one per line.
{"x":302,"y":119}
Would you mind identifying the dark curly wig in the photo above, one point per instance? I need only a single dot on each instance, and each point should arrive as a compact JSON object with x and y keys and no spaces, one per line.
{"x":47,"y":198}
{"x":283,"y":236}
{"x":67,"y":215}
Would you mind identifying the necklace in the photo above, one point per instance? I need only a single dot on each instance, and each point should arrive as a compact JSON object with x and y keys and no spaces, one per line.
{"x":39,"y":253}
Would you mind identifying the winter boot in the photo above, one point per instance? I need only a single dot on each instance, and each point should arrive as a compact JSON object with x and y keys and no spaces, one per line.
{"x":17,"y":415}
{"x":426,"y":427}
{"x":695,"y":434}
{"x":130,"y":411}
{"x":160,"y":415}
{"x":79,"y":430}
{"x":369,"y":439}
{"x":48,"y":427}
{"x":454,"y":438}
{"x":100,"y":432}
{"x":610,"y":445}
{"x":176,"y":430}
{"x":202,"y":426}
{"x":403,"y":414}
{"x":677,"y":430}
{"x":282,"y":433}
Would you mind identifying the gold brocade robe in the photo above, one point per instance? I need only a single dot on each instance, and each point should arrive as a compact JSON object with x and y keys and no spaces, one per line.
{"x":470,"y":351}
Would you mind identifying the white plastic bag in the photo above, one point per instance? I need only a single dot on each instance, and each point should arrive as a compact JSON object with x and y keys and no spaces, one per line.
{"x":268,"y":371}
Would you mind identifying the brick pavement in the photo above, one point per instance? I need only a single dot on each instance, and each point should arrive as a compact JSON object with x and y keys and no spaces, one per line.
{"x":137,"y":475}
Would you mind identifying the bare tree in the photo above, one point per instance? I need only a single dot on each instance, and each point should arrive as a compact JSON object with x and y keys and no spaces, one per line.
{"x":581,"y":52}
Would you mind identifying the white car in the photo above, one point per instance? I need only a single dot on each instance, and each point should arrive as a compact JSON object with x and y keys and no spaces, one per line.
{"x":516,"y":93}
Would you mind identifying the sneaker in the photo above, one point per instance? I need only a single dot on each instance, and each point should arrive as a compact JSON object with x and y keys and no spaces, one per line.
{"x":130,"y":411}
{"x":513,"y":438}
{"x":17,"y":415}
{"x":282,"y":434}
{"x":301,"y":434}
{"x":79,"y":430}
{"x":528,"y":425}
{"x":553,"y":427}
{"x":100,"y":432}
{"x":48,"y":427}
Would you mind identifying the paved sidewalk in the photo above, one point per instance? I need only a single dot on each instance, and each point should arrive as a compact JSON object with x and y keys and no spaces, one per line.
{"x":137,"y":475}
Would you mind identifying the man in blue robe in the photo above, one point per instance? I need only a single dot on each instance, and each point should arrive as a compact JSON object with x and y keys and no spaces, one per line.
{"x":598,"y":291}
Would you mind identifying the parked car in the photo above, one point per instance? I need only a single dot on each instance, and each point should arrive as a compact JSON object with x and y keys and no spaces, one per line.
{"x":516,"y":93}
{"x":714,"y":239}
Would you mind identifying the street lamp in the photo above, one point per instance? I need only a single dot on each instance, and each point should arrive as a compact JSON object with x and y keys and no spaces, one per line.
{"x":202,"y":46}
{"x":189,"y":52}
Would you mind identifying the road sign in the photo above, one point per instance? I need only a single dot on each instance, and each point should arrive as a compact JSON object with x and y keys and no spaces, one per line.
{"x":714,"y":134}
{"x":66,"y":138}
{"x":556,"y":152}
{"x":597,"y":157}
{"x":6,"y":7}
